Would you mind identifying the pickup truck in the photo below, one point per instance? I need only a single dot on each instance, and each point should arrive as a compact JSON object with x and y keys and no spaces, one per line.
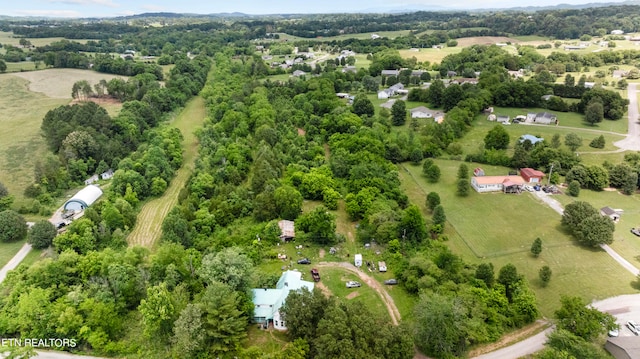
{"x":315,"y":274}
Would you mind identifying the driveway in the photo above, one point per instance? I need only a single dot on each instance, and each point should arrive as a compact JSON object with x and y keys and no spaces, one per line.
{"x":394,"y":313}
{"x":632,"y":141}
{"x":15,"y":261}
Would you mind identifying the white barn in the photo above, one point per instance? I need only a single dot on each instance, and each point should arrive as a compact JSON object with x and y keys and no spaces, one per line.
{"x":83,"y":199}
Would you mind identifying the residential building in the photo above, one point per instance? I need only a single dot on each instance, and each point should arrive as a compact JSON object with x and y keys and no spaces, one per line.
{"x":611,"y":213}
{"x":267,"y":302}
{"x":495,"y":183}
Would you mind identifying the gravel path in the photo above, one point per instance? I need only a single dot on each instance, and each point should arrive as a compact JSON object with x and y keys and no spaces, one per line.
{"x":15,"y":261}
{"x":632,"y":141}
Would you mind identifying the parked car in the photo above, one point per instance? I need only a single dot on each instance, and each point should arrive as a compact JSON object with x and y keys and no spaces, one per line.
{"x":636,"y":231}
{"x":633,"y":327}
{"x":315,"y":274}
{"x":59,"y":225}
{"x":614,"y":332}
{"x":304,"y":261}
{"x":391,"y":282}
{"x":353,"y":284}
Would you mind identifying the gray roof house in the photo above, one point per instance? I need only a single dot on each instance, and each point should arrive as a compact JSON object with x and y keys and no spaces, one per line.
{"x":390,"y":72}
{"x":623,"y":347}
{"x":611,"y":213}
{"x":388,"y":92}
{"x":545,"y":118}
{"x":267,"y":302}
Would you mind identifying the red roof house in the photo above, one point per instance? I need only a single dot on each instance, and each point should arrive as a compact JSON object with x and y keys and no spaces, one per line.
{"x":531,"y":176}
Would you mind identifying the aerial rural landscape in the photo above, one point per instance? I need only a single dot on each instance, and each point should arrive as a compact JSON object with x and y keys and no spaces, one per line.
{"x":396,"y":182}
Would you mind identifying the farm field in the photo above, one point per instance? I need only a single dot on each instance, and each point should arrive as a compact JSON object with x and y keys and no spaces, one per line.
{"x":500,"y":229}
{"x":57,"y":83}
{"x":7,"y":37}
{"x":21,"y":113}
{"x":365,"y":35}
{"x":149,"y":223}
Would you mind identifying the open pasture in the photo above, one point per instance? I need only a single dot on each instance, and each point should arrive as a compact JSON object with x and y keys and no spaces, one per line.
{"x":499,"y":228}
{"x":57,"y":83}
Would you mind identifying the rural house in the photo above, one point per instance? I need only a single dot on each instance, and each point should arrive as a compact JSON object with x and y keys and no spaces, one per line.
{"x":545,"y":118}
{"x":611,"y":213}
{"x":390,"y":72}
{"x":531,"y":176}
{"x":267,"y":302}
{"x":287,"y":230}
{"x":91,"y":179}
{"x":388,"y":92}
{"x":495,"y":183}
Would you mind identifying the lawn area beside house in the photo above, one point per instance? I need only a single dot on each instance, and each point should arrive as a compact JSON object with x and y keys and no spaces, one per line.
{"x":499,"y":228}
{"x":624,"y":242}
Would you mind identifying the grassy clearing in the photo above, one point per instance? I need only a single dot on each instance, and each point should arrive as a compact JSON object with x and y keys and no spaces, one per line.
{"x":430,"y":55}
{"x":269,"y":341}
{"x":365,"y":35}
{"x":8,"y":250}
{"x":149,"y":222}
{"x":57,"y":83}
{"x":11,"y":39}
{"x":500,"y":229}
{"x":21,"y":113}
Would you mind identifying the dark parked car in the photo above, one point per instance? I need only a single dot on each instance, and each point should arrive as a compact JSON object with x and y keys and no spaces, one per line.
{"x":391,"y":282}
{"x":636,"y":231}
{"x":59,"y":225}
{"x":304,"y":261}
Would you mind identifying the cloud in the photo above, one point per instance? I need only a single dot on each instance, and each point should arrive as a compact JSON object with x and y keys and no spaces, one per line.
{"x":48,"y":13}
{"x":108,"y":3}
{"x":153,"y":8}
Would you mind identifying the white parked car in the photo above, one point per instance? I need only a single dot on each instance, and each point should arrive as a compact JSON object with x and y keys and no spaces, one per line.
{"x":633,"y":327}
{"x":353,"y":284}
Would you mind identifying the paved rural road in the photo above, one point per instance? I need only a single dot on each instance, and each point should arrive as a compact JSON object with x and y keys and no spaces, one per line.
{"x":520,"y":349}
{"x":632,"y":141}
{"x":394,"y":313}
{"x":13,"y":263}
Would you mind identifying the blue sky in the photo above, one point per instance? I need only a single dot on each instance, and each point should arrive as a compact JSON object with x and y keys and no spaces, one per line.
{"x":109,"y":8}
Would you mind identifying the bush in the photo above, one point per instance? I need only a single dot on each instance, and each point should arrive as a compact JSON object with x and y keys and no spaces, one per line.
{"x":574,"y":189}
{"x":597,"y":142}
{"x":12,"y":226}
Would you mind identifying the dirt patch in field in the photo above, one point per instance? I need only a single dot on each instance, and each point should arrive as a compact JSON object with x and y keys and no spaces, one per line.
{"x":484,"y":40}
{"x":57,"y":83}
{"x":301,"y":132}
{"x":352,"y":295}
{"x":322,"y":253}
{"x":323,"y":288}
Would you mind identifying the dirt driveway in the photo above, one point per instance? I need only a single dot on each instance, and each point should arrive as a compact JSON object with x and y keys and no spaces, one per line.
{"x":374,"y":284}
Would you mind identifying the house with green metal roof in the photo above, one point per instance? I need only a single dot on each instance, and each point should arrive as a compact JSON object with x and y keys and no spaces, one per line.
{"x":267,"y":302}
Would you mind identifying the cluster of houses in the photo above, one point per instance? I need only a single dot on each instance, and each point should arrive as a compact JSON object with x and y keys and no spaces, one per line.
{"x":104,"y":176}
{"x":544,"y":118}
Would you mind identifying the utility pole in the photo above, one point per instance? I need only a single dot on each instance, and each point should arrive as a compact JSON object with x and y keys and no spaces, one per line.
{"x":550,"y":172}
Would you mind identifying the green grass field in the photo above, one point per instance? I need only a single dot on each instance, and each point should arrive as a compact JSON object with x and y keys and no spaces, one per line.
{"x":10,"y":39}
{"x":21,"y":113}
{"x":500,"y":228}
{"x":149,"y":222}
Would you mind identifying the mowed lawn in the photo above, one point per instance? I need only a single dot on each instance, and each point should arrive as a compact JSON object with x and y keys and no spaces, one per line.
{"x":624,"y":242}
{"x":500,"y":228}
{"x":148,"y":228}
{"x":21,"y":143}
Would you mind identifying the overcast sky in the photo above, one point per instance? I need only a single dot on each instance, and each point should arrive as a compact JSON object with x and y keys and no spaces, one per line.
{"x":109,"y":8}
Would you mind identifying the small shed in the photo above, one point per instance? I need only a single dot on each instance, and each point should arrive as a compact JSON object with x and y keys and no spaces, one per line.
{"x":83,"y":199}
{"x":287,"y":230}
{"x":107,"y":174}
{"x":357,"y":260}
{"x":382,"y":266}
{"x":611,"y":213}
{"x":91,"y":179}
{"x":478,"y":172}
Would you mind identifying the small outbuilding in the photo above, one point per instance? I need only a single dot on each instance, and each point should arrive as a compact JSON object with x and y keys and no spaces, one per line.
{"x":83,"y":199}
{"x":623,"y":347}
{"x":357,"y":260}
{"x":382,"y":266}
{"x":531,"y":176}
{"x":611,"y":213}
{"x":287,"y":230}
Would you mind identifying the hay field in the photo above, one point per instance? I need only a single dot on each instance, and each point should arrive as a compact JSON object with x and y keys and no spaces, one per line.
{"x":21,"y":113}
{"x":57,"y":83}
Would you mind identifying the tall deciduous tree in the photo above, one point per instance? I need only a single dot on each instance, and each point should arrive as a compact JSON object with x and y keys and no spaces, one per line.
{"x":158,"y":311}
{"x":229,"y":266}
{"x":41,"y":234}
{"x":572,"y":141}
{"x":497,"y":138}
{"x":485,"y":273}
{"x":581,"y":320}
{"x":440,"y":325}
{"x":412,"y":226}
{"x":545,"y":275}
{"x":362,"y":106}
{"x":188,"y":334}
{"x":433,"y":200}
{"x":12,"y":226}
{"x":398,"y":113}
{"x":319,"y":224}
